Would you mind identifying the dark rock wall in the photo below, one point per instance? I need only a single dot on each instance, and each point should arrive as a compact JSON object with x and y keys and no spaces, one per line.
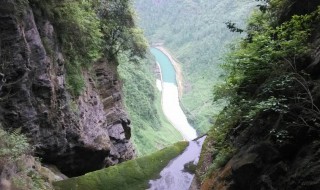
{"x":77,"y":135}
{"x":273,"y":154}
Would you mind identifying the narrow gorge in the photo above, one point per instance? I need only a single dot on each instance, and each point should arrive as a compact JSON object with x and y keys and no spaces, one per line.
{"x":175,"y":171}
{"x":159,"y":94}
{"x":72,"y":114}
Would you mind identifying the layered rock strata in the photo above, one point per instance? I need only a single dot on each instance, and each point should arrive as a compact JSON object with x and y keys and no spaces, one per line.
{"x":77,"y":134}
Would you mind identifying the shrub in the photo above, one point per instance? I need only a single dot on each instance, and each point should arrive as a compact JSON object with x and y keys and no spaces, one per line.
{"x":119,"y":31}
{"x":263,"y":75}
{"x":17,"y":166}
{"x":12,"y":145}
{"x":79,"y":31}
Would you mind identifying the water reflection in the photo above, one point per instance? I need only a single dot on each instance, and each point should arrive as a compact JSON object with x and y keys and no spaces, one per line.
{"x":173,"y":176}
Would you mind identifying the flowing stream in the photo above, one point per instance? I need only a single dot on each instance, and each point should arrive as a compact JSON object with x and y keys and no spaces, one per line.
{"x":173,"y":176}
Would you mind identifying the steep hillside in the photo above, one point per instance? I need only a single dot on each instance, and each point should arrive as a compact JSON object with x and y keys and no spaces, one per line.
{"x":59,"y":81}
{"x":151,"y":131}
{"x":195,"y":34}
{"x":268,"y":135}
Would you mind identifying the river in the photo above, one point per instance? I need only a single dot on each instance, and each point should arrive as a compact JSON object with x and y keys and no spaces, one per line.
{"x":170,"y":96}
{"x":173,"y":176}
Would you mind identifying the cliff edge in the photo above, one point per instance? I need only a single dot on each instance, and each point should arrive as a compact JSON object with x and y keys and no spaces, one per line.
{"x":76,"y":133}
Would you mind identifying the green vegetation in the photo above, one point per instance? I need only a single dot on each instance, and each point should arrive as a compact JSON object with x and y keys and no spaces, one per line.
{"x":266,"y":78}
{"x":90,"y":30}
{"x":17,"y":165}
{"x":190,"y":167}
{"x":133,"y":174}
{"x":196,"y":34}
{"x":80,"y":35}
{"x":118,"y":26}
{"x":151,"y":131}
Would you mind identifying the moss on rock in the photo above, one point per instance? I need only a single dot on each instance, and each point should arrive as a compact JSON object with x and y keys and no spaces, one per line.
{"x":133,"y":174}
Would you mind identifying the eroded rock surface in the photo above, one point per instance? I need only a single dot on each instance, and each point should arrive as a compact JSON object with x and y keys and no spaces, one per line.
{"x":77,"y":134}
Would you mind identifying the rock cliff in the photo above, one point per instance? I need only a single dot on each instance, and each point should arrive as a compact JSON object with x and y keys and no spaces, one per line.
{"x":77,"y":134}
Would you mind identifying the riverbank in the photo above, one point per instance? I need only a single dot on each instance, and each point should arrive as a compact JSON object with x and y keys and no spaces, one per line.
{"x":177,"y":67}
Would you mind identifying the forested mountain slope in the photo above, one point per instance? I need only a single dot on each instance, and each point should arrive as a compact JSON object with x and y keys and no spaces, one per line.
{"x":151,"y":131}
{"x":196,"y":34}
{"x":268,"y":135}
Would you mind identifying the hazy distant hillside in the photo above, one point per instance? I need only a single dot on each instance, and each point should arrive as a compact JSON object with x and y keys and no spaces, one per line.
{"x":196,"y":34}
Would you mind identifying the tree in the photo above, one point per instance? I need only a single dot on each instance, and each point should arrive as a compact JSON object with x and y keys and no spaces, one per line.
{"x":119,"y":30}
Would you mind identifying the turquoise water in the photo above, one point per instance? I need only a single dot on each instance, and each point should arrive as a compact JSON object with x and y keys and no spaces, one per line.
{"x":167,"y":69}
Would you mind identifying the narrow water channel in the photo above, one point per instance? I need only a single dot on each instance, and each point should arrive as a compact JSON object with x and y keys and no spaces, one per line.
{"x":170,"y":97}
{"x":174,"y":176}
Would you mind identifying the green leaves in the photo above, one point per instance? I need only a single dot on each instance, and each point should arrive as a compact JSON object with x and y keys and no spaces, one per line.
{"x":119,"y":29}
{"x":89,"y":30}
{"x":271,"y":104}
{"x":265,"y":60}
{"x":139,"y":90}
{"x":267,"y":51}
{"x":79,"y":30}
{"x":16,"y":162}
{"x":80,"y":36}
{"x":265,"y":78}
{"x":12,"y":145}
